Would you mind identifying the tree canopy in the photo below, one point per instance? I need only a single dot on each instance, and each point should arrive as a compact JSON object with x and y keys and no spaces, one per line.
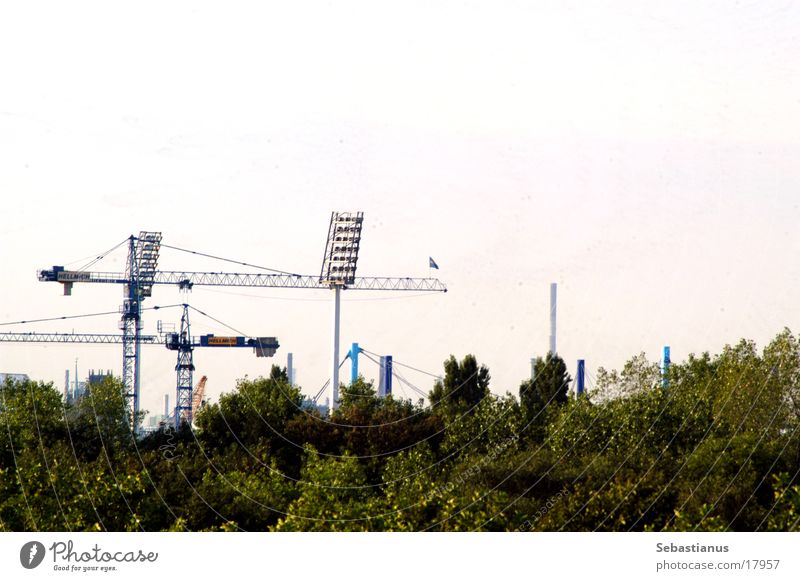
{"x":718,"y":448}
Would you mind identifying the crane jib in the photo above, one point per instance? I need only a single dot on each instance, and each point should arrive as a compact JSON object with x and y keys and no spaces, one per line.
{"x":212,"y":341}
{"x":59,"y":274}
{"x":187,"y":279}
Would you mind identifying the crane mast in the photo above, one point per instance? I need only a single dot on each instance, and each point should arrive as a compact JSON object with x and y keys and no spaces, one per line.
{"x":184,"y":369}
{"x":184,"y":343}
{"x":141,"y":267}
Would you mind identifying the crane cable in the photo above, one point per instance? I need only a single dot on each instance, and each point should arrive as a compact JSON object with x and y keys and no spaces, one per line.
{"x":409,"y":384}
{"x":235,"y":330}
{"x":229,"y":260}
{"x":154,"y":308}
{"x":395,"y":362}
{"x":98,"y":257}
{"x":321,"y":391}
{"x":327,"y":383}
{"x":400,"y":378}
{"x":217,"y":321}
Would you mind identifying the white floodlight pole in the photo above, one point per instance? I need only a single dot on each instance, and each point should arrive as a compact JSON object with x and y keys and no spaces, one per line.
{"x":338,"y":271}
{"x":337,"y":290}
{"x":553,"y":301}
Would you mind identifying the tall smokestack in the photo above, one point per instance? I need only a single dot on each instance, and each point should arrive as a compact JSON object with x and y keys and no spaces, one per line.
{"x":553,"y":300}
{"x":289,"y":368}
{"x":166,"y":405}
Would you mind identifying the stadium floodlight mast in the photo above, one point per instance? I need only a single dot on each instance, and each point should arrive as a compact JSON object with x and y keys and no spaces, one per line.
{"x":339,"y":271}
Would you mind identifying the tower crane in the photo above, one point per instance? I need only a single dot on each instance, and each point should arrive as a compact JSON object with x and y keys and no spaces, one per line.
{"x":182,"y":342}
{"x":138,"y":284}
{"x":141,"y":275}
{"x":197,"y":395}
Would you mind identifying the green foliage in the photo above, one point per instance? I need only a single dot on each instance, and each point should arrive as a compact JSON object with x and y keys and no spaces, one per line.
{"x":257,"y":411}
{"x":100,"y":421}
{"x":539,"y":395}
{"x":549,"y":384}
{"x":334,"y":496}
{"x":718,"y":449}
{"x":785,"y":512}
{"x":31,"y":414}
{"x":465,"y":384}
{"x":637,"y":375}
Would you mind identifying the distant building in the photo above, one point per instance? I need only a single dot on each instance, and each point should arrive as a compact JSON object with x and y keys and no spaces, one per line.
{"x":13,"y":377}
{"x":98,"y":377}
{"x":74,"y":390}
{"x":155,"y":422}
{"x":309,"y":404}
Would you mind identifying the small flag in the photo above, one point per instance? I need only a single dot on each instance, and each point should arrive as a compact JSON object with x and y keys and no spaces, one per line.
{"x":432,"y":263}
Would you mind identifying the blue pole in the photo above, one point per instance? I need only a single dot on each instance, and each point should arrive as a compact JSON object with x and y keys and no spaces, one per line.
{"x":665,"y":361}
{"x":354,"y":351}
{"x":581,"y":371}
{"x":388,"y":382}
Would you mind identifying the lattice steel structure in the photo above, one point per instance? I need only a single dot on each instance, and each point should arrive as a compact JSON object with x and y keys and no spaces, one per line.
{"x":341,"y":250}
{"x":184,"y":370}
{"x":187,"y":279}
{"x":184,"y":344}
{"x":141,"y":267}
{"x":71,"y":338}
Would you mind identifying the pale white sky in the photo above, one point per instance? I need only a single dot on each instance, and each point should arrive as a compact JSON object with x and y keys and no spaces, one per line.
{"x":641,"y":154}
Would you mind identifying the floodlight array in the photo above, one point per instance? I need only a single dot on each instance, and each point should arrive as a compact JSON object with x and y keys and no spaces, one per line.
{"x":341,"y":251}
